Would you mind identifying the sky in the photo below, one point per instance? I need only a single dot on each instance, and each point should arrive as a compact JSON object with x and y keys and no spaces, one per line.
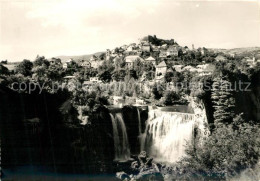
{"x":76,"y":27}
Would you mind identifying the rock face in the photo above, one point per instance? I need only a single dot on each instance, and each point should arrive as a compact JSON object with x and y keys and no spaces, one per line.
{"x":201,"y":121}
{"x":142,"y":169}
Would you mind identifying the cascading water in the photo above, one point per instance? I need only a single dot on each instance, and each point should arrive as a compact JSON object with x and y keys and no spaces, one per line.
{"x":166,"y":134}
{"x":139,"y":122}
{"x":122,"y":151}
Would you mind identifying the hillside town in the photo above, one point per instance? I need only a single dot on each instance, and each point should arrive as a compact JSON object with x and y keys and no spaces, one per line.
{"x":149,"y":63}
{"x":163,"y":57}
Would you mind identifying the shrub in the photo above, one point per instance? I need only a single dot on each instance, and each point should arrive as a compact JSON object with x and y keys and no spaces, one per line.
{"x":229,"y":150}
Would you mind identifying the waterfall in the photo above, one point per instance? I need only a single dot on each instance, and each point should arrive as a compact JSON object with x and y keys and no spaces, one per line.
{"x":166,"y":134}
{"x":122,"y":151}
{"x":139,"y":122}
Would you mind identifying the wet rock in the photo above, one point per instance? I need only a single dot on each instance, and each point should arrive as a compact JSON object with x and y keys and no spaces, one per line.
{"x":122,"y":176}
{"x":142,"y":169}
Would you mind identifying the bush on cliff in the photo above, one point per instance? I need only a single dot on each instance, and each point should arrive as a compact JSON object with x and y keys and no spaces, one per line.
{"x":229,"y":150}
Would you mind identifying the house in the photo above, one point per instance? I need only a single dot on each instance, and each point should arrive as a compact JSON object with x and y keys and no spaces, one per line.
{"x":144,"y":40}
{"x":131,"y":59}
{"x":139,"y":52}
{"x":55,"y":61}
{"x":108,"y":54}
{"x":131,"y":47}
{"x":94,"y":80}
{"x":161,"y":70}
{"x":164,"y":46}
{"x":220,"y":58}
{"x":155,"y":48}
{"x":121,"y":50}
{"x":163,"y":54}
{"x":232,"y":55}
{"x":172,"y":50}
{"x":205,"y":69}
{"x":95,"y":64}
{"x":151,"y":59}
{"x":93,"y":58}
{"x":65,"y":65}
{"x":170,"y":69}
{"x":203,"y":51}
{"x":190,"y":68}
{"x":252,"y":61}
{"x":133,"y":52}
{"x":146,"y":47}
{"x":185,"y":50}
{"x":177,"y":68}
{"x":86,"y":64}
{"x":123,"y":47}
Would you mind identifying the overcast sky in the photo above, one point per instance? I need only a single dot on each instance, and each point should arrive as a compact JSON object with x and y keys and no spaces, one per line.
{"x":71,"y":27}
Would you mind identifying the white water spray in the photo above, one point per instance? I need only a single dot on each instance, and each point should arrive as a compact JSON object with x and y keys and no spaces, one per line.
{"x":122,"y":151}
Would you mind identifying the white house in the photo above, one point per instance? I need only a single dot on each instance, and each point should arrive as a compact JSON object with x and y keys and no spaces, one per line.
{"x":151,"y":59}
{"x":205,"y":69}
{"x":172,"y":50}
{"x":177,"y":68}
{"x":131,"y":59}
{"x":220,"y":58}
{"x":86,"y":64}
{"x":65,"y":65}
{"x":94,"y":80}
{"x":161,"y":70}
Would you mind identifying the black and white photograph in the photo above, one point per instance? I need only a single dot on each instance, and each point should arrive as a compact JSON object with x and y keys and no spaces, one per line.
{"x":129,"y":90}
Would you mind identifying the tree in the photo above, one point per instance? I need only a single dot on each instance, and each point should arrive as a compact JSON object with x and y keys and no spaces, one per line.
{"x":4,"y":62}
{"x":168,"y":76}
{"x":170,"y":97}
{"x":223,"y":101}
{"x":228,"y":151}
{"x":3,"y":70}
{"x":105,"y":76}
{"x":40,"y":61}
{"x":25,"y":68}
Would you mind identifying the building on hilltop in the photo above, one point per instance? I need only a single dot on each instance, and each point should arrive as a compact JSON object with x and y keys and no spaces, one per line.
{"x":144,"y":40}
{"x":146,"y":47}
{"x":172,"y":51}
{"x":163,"y":54}
{"x":108,"y":54}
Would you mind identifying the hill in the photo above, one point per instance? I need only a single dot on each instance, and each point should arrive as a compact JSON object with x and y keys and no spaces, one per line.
{"x":78,"y":57}
{"x":247,"y":51}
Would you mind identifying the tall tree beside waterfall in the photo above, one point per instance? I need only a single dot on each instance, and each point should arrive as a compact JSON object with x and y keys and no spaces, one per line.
{"x":223,"y":101}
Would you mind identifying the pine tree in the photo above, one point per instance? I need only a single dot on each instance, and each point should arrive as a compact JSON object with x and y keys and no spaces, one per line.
{"x":223,"y":101}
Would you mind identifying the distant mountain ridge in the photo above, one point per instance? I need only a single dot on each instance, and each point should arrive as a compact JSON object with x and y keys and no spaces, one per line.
{"x":247,"y":51}
{"x":78,"y":57}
